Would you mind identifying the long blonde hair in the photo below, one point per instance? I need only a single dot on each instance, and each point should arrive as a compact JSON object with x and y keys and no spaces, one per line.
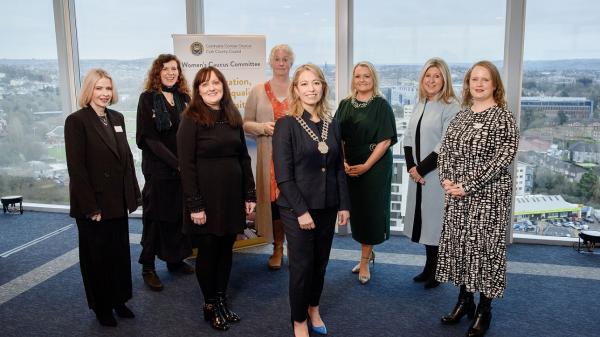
{"x":322,"y":108}
{"x":447,"y":92}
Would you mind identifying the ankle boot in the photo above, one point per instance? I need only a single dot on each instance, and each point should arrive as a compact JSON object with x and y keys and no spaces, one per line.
{"x":276,"y":259}
{"x":483,"y":318}
{"x":152,"y":280}
{"x":432,"y":262}
{"x":230,"y":316}
{"x":464,"y":306}
{"x":213,"y":315}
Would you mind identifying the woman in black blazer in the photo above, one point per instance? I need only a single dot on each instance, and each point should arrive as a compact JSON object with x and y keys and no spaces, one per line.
{"x":103,"y":189}
{"x":309,"y":170}
{"x":158,"y":115}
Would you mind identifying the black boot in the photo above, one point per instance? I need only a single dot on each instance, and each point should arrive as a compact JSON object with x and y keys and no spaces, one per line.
{"x":229,"y":315}
{"x":464,"y":306}
{"x":482,"y":319}
{"x":432,"y":252}
{"x":213,"y":315}
{"x":424,"y":276}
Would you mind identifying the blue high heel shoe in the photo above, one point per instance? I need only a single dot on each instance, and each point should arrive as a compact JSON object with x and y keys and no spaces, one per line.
{"x":321,"y":330}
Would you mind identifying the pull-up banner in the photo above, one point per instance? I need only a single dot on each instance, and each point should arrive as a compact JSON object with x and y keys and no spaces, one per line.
{"x":241,"y":58}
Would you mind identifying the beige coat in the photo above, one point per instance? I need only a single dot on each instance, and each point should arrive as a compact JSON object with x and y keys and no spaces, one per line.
{"x":258,"y":110}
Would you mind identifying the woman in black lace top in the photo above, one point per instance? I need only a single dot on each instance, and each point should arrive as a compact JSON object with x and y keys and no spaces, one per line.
{"x":218,"y":187}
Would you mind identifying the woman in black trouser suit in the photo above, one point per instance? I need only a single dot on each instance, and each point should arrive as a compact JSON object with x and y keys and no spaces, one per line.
{"x":103,"y":189}
{"x":309,"y":171}
{"x":218,"y":187}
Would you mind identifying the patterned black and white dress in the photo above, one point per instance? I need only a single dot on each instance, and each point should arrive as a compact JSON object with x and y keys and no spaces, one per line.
{"x":476,"y":151}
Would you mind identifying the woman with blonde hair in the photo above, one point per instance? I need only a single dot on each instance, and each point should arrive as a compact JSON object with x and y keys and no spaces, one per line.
{"x":436,"y":107}
{"x":103,"y":190}
{"x":368,"y":131}
{"x":267,"y":103}
{"x":480,"y":144}
{"x":309,"y":171}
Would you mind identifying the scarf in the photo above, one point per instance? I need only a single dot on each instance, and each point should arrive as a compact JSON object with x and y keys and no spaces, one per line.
{"x":161,"y":113}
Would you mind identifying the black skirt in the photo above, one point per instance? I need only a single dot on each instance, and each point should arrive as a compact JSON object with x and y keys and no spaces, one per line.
{"x":105,"y":261}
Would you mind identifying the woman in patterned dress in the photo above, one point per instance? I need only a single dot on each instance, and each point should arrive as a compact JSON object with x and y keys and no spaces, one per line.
{"x":479,"y":145}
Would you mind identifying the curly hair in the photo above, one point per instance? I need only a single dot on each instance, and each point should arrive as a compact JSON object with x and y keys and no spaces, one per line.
{"x":153,"y":81}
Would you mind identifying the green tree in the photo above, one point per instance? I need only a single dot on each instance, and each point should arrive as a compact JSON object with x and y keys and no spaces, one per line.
{"x":562,"y":118}
{"x":586,"y":184}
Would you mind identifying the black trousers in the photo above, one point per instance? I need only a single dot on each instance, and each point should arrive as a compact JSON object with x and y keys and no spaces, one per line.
{"x":308,"y":255}
{"x":105,"y":262}
{"x":213,"y":263}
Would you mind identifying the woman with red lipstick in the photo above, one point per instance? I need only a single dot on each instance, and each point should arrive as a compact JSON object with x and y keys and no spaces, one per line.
{"x":103,"y":190}
{"x":159,"y":111}
{"x":477,"y":150}
{"x":436,"y":107}
{"x":218,"y":187}
{"x":368,"y":131}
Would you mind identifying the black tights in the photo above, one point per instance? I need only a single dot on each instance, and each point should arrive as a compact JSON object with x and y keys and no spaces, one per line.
{"x":213,"y":264}
{"x":484,"y":301}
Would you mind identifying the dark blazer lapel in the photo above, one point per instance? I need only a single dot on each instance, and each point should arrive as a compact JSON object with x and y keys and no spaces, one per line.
{"x":118,"y":123}
{"x":93,"y":118}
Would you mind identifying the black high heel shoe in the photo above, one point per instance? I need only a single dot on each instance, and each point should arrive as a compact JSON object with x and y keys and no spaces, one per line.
{"x":481,"y":323}
{"x":421,"y":277}
{"x":230,"y":316}
{"x":464,"y":306}
{"x":105,"y":317}
{"x":213,"y":315}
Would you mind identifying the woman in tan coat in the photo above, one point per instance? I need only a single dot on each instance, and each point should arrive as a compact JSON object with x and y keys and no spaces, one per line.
{"x":266,"y":103}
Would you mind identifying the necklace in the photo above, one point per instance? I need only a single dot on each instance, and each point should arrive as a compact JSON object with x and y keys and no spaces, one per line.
{"x":321,"y":145}
{"x":170,"y":100}
{"x":103,"y":119}
{"x":361,"y":105}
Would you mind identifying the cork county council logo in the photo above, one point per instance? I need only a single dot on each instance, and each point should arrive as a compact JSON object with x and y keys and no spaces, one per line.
{"x":197,"y":48}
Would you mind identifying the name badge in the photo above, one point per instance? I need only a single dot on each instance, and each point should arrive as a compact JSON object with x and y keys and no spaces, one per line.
{"x":118,"y":128}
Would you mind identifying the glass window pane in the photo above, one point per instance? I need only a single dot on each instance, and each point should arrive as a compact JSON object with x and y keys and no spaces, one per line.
{"x":32,"y":162}
{"x":558,"y":190}
{"x":398,"y":37}
{"x":307,"y":26}
{"x":125,"y":44}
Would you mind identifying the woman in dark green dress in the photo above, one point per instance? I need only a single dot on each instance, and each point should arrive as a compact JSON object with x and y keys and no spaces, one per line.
{"x":368,"y":131}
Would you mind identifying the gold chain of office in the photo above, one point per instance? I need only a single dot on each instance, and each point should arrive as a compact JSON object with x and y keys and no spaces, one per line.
{"x":321,"y":145}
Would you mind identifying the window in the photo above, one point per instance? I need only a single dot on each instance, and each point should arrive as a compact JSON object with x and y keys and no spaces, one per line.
{"x":559,"y":118}
{"x":398,"y":37}
{"x":124,"y":37}
{"x":32,"y":163}
{"x":307,"y":26}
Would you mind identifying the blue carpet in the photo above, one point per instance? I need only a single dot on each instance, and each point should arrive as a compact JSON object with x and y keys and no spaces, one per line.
{"x":390,"y":305}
